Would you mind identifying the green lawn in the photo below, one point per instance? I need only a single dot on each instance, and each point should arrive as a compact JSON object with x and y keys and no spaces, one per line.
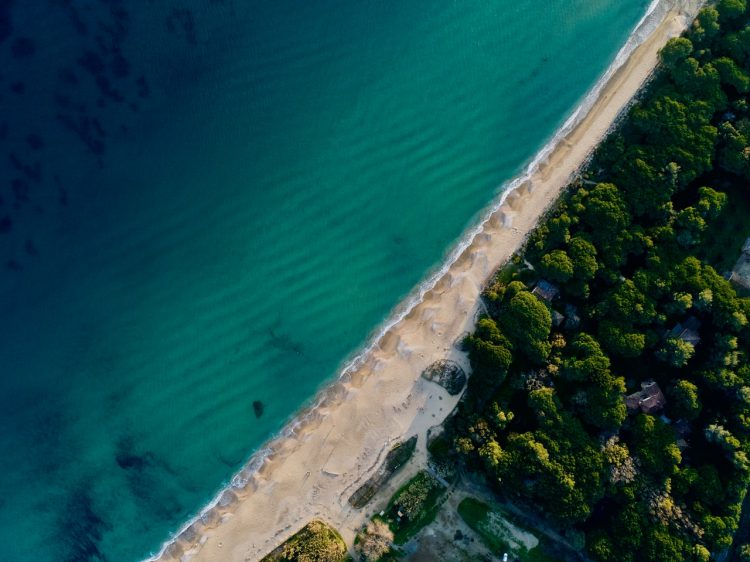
{"x":501,"y":533}
{"x":425,"y":511}
{"x":315,"y":541}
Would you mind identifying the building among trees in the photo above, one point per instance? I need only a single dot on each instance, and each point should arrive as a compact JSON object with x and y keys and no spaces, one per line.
{"x":687,"y":331}
{"x":650,"y":399}
{"x":741,"y":271}
{"x":545,"y":291}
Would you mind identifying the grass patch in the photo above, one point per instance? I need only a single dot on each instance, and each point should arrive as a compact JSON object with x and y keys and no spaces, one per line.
{"x":315,"y":542}
{"x":501,"y":533}
{"x":414,"y":506}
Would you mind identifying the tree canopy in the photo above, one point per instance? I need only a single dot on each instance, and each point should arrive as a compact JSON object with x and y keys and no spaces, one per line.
{"x":545,"y":417}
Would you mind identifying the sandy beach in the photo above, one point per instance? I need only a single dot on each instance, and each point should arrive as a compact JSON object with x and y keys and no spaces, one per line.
{"x":313,"y":472}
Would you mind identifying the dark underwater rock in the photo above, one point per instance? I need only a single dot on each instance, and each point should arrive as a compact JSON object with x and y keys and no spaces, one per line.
{"x":6,"y":24}
{"x":20,"y":190}
{"x":81,"y":528}
{"x":130,"y":462}
{"x":120,"y":65}
{"x":34,"y":141}
{"x":23,"y":47}
{"x":181,"y":22}
{"x":142,"y":85}
{"x":67,"y":77}
{"x":30,"y":248}
{"x":285,"y":343}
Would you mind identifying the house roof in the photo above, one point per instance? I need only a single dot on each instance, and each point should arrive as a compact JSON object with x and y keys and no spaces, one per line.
{"x":651,"y":404}
{"x":741,"y":271}
{"x":545,"y":290}
{"x":557,"y":318}
{"x":687,"y":331}
{"x":633,"y":402}
{"x":649,"y":399}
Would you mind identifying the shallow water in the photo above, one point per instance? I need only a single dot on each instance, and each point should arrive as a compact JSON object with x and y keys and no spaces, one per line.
{"x":215,"y":204}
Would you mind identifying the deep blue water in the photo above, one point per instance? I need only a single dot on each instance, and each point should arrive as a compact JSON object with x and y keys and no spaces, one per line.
{"x":210,"y":203}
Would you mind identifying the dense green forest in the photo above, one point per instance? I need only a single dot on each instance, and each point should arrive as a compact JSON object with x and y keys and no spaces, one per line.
{"x":617,"y":287}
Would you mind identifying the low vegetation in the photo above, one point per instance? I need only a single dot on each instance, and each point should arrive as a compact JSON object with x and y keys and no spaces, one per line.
{"x":413,"y":506}
{"x":501,"y":534}
{"x":374,"y":542}
{"x":315,"y":542}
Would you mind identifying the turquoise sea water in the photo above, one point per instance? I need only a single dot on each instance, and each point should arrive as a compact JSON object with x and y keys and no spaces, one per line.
{"x":224,"y":218}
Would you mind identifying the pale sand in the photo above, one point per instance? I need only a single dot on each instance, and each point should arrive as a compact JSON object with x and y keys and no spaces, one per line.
{"x":313,"y":472}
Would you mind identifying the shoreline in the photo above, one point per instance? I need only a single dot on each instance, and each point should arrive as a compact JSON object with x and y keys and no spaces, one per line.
{"x":327,"y":450}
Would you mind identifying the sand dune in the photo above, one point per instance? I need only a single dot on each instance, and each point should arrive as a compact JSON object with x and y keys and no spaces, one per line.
{"x":314,"y":470}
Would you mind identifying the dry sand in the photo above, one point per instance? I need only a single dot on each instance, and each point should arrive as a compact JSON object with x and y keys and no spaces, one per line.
{"x":313,"y":472}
